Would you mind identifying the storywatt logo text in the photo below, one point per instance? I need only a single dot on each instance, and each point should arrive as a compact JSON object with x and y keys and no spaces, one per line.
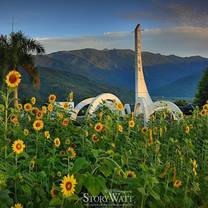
{"x":113,"y":198}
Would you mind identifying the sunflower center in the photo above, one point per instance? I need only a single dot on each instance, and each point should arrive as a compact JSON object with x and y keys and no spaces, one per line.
{"x":37,"y":124}
{"x":12,"y":78}
{"x":18,"y":146}
{"x":68,"y":186}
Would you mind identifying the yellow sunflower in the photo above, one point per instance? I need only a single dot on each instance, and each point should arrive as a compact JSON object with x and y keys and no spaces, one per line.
{"x":150,"y":136}
{"x":177,"y":183}
{"x":203,"y":112}
{"x":98,"y":127}
{"x":14,"y":119}
{"x":130,"y":174}
{"x":205,"y":107}
{"x":65,"y":122}
{"x":194,"y":163}
{"x":120,"y":128}
{"x":187,"y":129}
{"x":50,"y":107}
{"x":60,"y":115}
{"x":19,"y":106}
{"x":17,"y":205}
{"x":119,"y":106}
{"x":144,"y":130}
{"x":33,"y":100}
{"x":54,"y":192}
{"x":39,"y":114}
{"x":13,"y":79}
{"x":38,"y":125}
{"x":51,"y":98}
{"x":95,"y":138}
{"x":68,"y":185}
{"x":131,"y":123}
{"x":47,"y":134}
{"x":28,"y":107}
{"x":57,"y":142}
{"x":26,"y":132}
{"x":66,"y":105}
{"x":72,"y":152}
{"x":18,"y":146}
{"x":44,"y":109}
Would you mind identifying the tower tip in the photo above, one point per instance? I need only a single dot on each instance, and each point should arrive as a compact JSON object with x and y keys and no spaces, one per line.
{"x":138,"y":27}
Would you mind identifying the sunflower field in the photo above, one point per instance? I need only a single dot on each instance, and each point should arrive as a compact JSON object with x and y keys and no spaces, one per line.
{"x":109,"y":160}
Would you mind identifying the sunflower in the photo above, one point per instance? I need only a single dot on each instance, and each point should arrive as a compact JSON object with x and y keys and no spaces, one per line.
{"x":17,"y":205}
{"x":39,"y":114}
{"x":47,"y":134}
{"x":203,"y":112}
{"x":67,"y":141}
{"x":19,"y":106}
{"x":18,"y":146}
{"x":13,"y":79}
{"x":66,"y":106}
{"x":60,"y":115}
{"x":177,"y":183}
{"x":65,"y":122}
{"x":120,"y":128}
{"x":33,"y":100}
{"x":35,"y":110}
{"x":130,"y":174}
{"x":205,"y":107}
{"x":72,"y":152}
{"x":50,"y":107}
{"x":26,"y":132}
{"x":14,"y":119}
{"x":119,"y":106}
{"x":51,"y":98}
{"x":44,"y":109}
{"x":68,"y":185}
{"x":150,"y":136}
{"x":57,"y":142}
{"x":38,"y":125}
{"x":62,"y":153}
{"x":98,"y":127}
{"x":155,"y":131}
{"x":144,"y":130}
{"x":131,"y":123}
{"x":28,"y":107}
{"x":194,"y":163}
{"x":71,"y":96}
{"x":187,"y":129}
{"x":73,"y":145}
{"x":95,"y":138}
{"x":54,"y":192}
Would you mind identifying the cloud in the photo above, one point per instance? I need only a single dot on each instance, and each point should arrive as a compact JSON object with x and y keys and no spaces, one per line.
{"x":181,"y":13}
{"x":183,"y":41}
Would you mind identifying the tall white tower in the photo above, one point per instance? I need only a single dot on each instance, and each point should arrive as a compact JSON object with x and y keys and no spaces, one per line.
{"x":140,"y":85}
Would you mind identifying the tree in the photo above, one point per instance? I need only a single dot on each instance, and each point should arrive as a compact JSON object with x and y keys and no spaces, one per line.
{"x":201,"y":96}
{"x":17,"y":51}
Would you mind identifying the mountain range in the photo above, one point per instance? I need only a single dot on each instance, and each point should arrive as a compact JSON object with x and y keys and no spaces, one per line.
{"x":89,"y":72}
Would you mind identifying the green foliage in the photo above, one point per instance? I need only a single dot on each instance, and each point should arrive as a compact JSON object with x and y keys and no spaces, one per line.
{"x":201,"y":96}
{"x":141,"y":162}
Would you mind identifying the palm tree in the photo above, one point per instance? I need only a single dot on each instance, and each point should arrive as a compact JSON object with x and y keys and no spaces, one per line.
{"x":17,"y":51}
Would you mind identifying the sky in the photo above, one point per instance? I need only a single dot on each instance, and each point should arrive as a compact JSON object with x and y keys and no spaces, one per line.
{"x":178,"y":27}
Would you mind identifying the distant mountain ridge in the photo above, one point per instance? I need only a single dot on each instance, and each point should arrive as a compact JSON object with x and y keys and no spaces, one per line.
{"x":114,"y":68}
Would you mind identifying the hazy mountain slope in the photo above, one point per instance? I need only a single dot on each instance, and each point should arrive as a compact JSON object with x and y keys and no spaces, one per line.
{"x":62,"y":82}
{"x":116,"y":68}
{"x":186,"y":86}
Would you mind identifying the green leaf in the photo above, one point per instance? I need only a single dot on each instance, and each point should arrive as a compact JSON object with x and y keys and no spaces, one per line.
{"x":26,"y":189}
{"x":95,"y":184}
{"x":80,"y":164}
{"x":106,"y":168}
{"x":55,"y":201}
